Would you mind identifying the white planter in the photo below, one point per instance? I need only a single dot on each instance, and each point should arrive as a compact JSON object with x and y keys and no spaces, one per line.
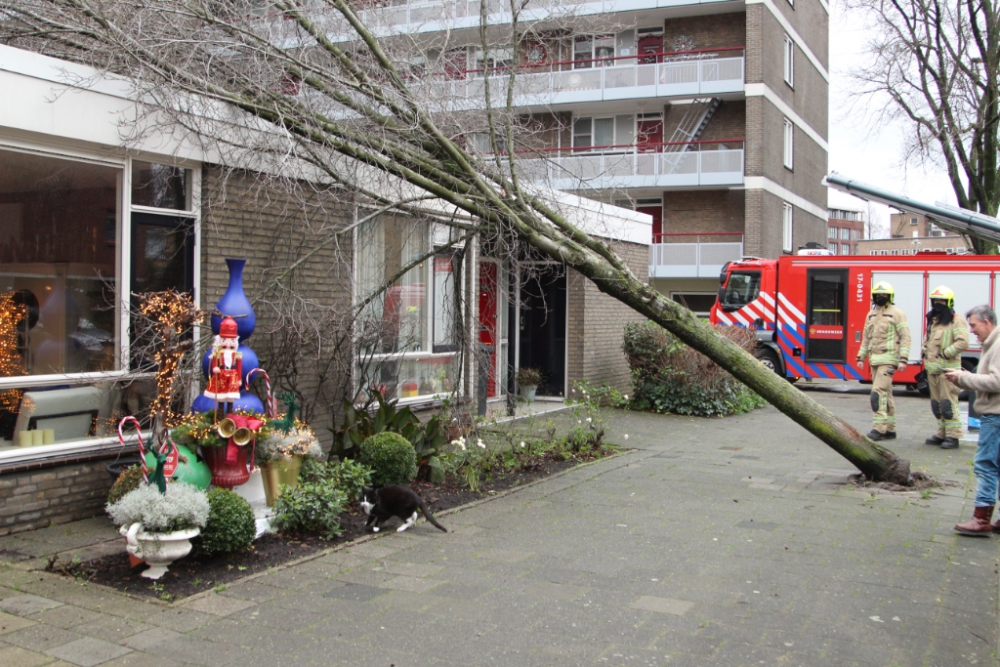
{"x":158,"y":549}
{"x":528,"y":392}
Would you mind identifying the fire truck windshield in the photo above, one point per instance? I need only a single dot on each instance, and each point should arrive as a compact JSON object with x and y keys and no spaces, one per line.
{"x":741,"y":289}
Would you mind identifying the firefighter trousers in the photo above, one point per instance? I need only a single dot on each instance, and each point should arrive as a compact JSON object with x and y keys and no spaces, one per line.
{"x":944,"y":405}
{"x":881,"y":398}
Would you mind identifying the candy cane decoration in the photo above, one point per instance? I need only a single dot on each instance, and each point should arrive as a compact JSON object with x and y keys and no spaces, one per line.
{"x":272,"y":406}
{"x":142,"y":449}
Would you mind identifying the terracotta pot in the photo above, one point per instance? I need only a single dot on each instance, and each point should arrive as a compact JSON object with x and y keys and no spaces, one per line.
{"x":229,"y":468}
{"x":276,"y":473}
{"x":159,"y":550}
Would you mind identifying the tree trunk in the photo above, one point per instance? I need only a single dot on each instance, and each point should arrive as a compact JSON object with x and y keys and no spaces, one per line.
{"x":875,"y":462}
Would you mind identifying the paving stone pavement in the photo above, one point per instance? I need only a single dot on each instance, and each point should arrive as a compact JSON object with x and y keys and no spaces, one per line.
{"x":714,"y":543}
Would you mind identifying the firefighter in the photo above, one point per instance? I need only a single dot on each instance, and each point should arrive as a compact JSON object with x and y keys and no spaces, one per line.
{"x":947,"y":337}
{"x":886,"y":341}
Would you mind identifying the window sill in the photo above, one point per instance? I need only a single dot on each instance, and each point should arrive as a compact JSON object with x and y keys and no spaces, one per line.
{"x":13,"y":455}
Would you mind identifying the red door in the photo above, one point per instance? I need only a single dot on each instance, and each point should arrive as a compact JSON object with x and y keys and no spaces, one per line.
{"x":649,"y":133}
{"x":657,"y":213}
{"x":488,"y":318}
{"x":650,"y":44}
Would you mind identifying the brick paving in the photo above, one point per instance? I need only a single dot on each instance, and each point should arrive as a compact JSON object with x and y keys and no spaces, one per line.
{"x":716,"y":542}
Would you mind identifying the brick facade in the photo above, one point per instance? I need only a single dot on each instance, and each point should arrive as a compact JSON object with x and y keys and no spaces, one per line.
{"x":716,"y":211}
{"x":704,"y":32}
{"x":596,"y":325}
{"x":35,"y":495}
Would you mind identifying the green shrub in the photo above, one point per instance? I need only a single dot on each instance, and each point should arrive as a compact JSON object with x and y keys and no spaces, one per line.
{"x":347,"y":476}
{"x":311,"y":506}
{"x":391,"y":458}
{"x":231,"y":524}
{"x":127,"y":481}
{"x":668,"y":376}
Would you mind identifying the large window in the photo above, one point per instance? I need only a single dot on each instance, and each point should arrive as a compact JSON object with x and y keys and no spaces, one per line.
{"x":600,"y":133}
{"x":408,"y":332}
{"x":589,"y":50}
{"x":789,"y":61}
{"x":64,"y":270}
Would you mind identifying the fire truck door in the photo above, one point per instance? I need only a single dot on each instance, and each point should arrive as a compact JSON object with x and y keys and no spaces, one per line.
{"x":971,"y":288}
{"x":911,"y":297}
{"x":826,"y":316}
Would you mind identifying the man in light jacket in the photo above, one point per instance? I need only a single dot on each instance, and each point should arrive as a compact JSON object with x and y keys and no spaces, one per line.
{"x":986,"y":383}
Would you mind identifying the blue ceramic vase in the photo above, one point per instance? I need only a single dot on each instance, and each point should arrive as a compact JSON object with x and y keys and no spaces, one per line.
{"x":235,"y":303}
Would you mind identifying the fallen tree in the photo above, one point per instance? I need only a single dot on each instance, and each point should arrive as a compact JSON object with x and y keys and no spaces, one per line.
{"x":310,"y":83}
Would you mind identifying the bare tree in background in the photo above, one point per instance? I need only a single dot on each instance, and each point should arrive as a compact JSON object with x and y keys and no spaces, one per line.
{"x":876,"y":226}
{"x":308,"y":88}
{"x":937,"y":64}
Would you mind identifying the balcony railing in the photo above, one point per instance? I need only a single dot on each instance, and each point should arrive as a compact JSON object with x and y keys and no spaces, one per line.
{"x":456,"y":14}
{"x":662,"y":165}
{"x":671,"y":74}
{"x":700,"y":259}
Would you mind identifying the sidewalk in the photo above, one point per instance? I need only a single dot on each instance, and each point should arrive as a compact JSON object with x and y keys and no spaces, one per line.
{"x":715,"y":543}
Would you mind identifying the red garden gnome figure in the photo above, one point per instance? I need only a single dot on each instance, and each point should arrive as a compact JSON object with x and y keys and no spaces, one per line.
{"x":226,"y":366}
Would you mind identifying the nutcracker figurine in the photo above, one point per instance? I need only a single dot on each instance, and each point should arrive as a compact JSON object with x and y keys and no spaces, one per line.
{"x":225,"y":367}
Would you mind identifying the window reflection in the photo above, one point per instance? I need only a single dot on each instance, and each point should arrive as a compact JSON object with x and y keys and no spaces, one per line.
{"x":159,"y":185}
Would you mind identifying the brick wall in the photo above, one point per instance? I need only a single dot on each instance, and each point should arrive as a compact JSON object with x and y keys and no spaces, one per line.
{"x":596,"y":325}
{"x":764,"y":225}
{"x":809,"y":160}
{"x":703,"y":211}
{"x":36,"y":495}
{"x":704,"y":32}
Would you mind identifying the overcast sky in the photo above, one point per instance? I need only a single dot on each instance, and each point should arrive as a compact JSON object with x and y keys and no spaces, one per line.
{"x":858,"y":151}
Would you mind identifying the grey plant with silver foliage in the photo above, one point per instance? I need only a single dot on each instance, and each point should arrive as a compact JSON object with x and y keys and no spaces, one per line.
{"x":183,"y":506}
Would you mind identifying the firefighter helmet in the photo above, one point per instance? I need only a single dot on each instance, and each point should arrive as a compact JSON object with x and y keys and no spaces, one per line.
{"x":882,"y":287}
{"x":945,"y":294}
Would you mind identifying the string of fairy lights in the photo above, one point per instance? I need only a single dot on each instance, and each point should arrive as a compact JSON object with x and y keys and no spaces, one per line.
{"x":172,"y":313}
{"x":11,"y":314}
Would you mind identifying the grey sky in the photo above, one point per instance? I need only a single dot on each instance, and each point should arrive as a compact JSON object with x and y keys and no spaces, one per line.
{"x":856,"y":149}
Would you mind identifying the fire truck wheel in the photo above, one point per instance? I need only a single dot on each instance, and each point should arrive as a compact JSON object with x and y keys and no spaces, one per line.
{"x":767,"y":357}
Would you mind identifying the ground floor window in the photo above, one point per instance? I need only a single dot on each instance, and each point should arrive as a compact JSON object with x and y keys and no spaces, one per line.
{"x":700,"y":303}
{"x":65,"y":262}
{"x":409,"y":292}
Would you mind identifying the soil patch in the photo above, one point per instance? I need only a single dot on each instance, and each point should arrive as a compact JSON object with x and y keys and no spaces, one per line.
{"x":196,"y":574}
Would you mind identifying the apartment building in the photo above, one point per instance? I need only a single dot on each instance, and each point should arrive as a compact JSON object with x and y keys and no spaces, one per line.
{"x":709,"y":115}
{"x":911,"y":234}
{"x":844,"y":229}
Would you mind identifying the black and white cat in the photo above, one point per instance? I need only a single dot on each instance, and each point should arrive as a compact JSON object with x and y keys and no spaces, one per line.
{"x":389,"y":501}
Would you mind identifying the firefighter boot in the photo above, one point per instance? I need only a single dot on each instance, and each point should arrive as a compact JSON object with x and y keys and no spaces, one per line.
{"x":979,"y":526}
{"x":934,"y":440}
{"x":876,"y":436}
{"x":949,"y":443}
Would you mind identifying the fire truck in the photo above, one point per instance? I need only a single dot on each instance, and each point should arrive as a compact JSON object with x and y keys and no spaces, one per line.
{"x":809,"y":310}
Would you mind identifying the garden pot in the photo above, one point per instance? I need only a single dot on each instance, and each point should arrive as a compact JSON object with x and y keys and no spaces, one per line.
{"x":159,"y":550}
{"x":229,"y":468}
{"x":528,"y":392}
{"x":118,"y":467}
{"x":276,"y":473}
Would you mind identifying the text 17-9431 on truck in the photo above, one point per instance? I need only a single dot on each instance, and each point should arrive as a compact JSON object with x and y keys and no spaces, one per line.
{"x":809,"y":310}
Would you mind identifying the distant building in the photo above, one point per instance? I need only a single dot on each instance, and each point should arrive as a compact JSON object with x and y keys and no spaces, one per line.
{"x":845,"y":228}
{"x":912,"y":233}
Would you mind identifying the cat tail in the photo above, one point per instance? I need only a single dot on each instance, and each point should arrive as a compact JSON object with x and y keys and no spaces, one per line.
{"x":429,"y":516}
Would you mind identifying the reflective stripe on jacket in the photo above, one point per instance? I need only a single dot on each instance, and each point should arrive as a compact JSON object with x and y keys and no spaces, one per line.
{"x":886,"y":337}
{"x":944,"y":344}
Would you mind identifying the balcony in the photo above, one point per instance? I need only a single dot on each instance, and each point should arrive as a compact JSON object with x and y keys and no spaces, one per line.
{"x":700,"y":259}
{"x":698,"y":73}
{"x":418,"y":17}
{"x":665,"y":165}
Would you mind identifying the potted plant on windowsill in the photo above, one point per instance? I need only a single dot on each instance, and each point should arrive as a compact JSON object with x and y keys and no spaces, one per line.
{"x":280,"y":456}
{"x":528,"y":380}
{"x":158,"y":527}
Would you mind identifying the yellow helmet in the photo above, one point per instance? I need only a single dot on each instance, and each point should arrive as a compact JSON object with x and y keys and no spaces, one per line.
{"x":945,"y":294}
{"x":882,"y":287}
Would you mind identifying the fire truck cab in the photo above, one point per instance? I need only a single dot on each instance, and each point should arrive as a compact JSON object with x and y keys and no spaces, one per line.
{"x":809,"y":310}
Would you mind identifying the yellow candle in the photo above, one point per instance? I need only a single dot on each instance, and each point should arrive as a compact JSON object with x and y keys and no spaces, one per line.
{"x":25,"y":437}
{"x":48,"y":436}
{"x":36,"y":437}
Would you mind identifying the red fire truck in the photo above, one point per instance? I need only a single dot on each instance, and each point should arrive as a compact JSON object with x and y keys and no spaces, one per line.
{"x":809,"y":310}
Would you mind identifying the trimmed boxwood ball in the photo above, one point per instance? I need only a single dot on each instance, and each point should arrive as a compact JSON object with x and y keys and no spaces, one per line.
{"x":127,"y":481}
{"x":391,"y":458}
{"x":231,"y":524}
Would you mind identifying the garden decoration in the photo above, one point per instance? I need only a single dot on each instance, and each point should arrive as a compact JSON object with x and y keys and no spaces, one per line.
{"x":165,"y":461}
{"x":225,"y":368}
{"x":235,"y":307}
{"x":288,"y":421}
{"x":229,"y":462}
{"x":158,"y":527}
{"x":272,"y":404}
{"x":280,"y":456}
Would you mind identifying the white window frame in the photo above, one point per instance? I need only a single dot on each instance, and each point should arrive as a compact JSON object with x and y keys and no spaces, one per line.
{"x":787,"y":221}
{"x":845,"y":234}
{"x":615,"y":139}
{"x":789,"y":49}
{"x":789,"y":136}
{"x":832,"y":232}
{"x":125,"y":208}
{"x":834,"y":248}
